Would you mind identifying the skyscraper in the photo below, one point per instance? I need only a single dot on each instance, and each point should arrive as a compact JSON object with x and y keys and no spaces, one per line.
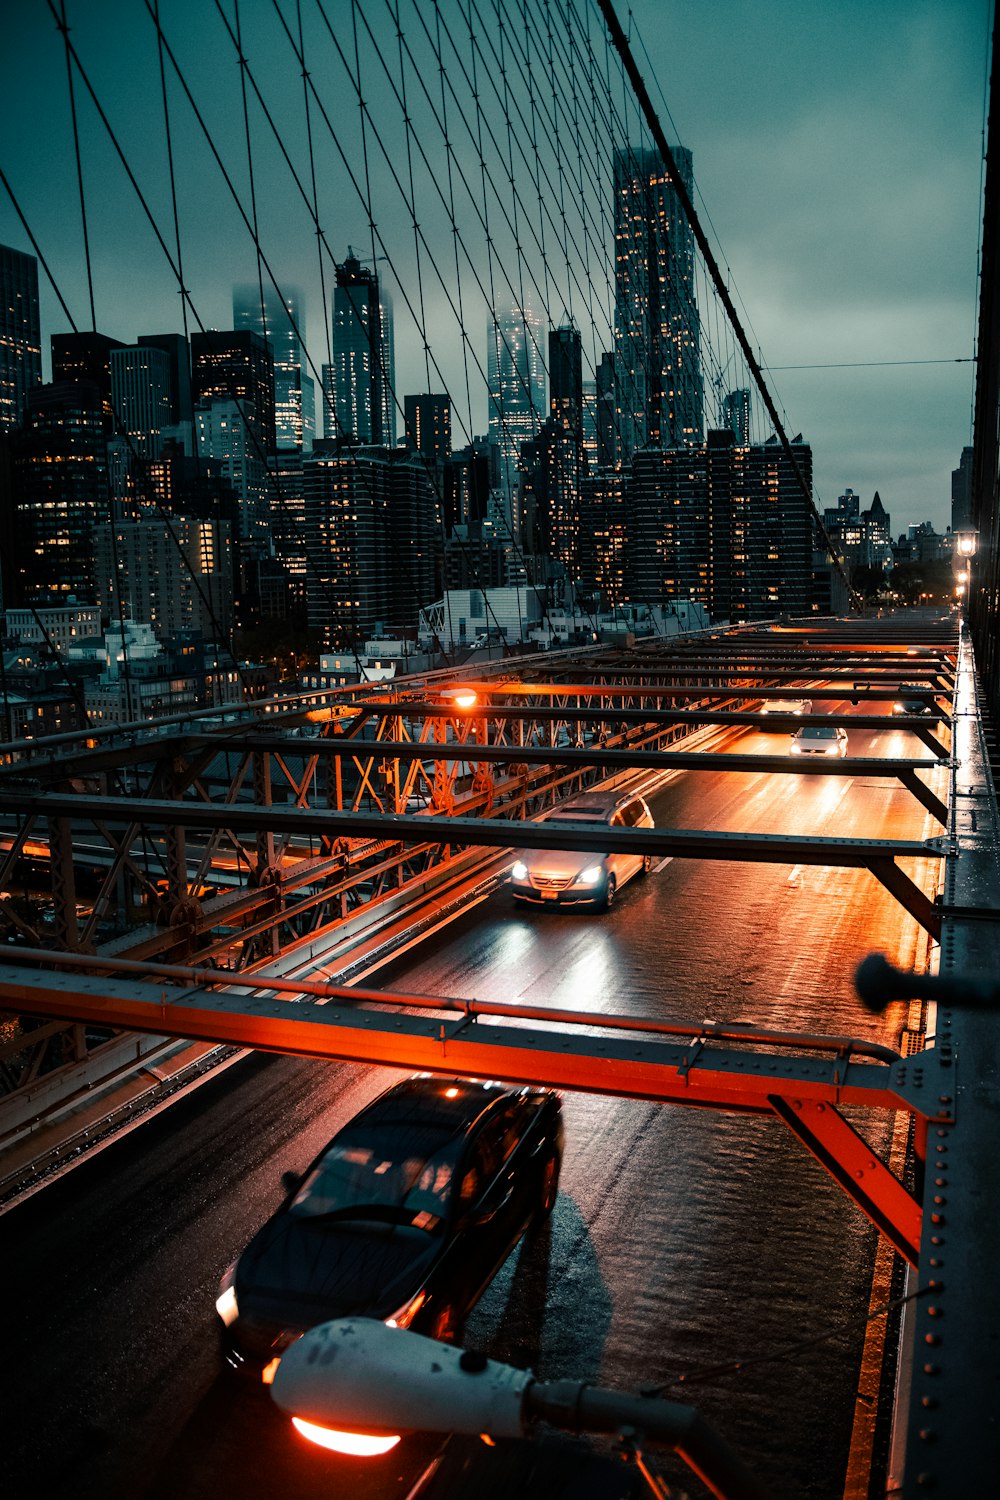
{"x":370,"y":536}
{"x":428,"y":425}
{"x":723,"y":524}
{"x":735,"y":415}
{"x":140,"y":397}
{"x":20,"y":334}
{"x":281,"y":320}
{"x":566,"y":378}
{"x":60,"y":491}
{"x":516,"y":379}
{"x":238,"y":364}
{"x":224,"y":440}
{"x":657,"y":333}
{"x":606,"y":423}
{"x":86,"y":356}
{"x":362,"y":399}
{"x":175,"y":347}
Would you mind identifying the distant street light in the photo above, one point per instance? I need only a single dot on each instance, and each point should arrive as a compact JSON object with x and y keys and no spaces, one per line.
{"x":359,"y":1380}
{"x":459,"y":697}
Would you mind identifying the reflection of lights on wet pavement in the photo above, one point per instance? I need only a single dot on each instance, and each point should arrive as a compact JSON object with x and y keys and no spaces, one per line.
{"x":591,"y":980}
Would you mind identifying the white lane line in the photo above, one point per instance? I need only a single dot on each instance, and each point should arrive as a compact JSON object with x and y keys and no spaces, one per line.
{"x":796,"y":871}
{"x":663,"y":863}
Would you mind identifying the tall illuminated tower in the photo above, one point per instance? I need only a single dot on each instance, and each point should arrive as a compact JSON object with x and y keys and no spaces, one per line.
{"x":657,"y":331}
{"x":280,"y":320}
{"x":20,"y":334}
{"x":362,"y":399}
{"x":515,"y":374}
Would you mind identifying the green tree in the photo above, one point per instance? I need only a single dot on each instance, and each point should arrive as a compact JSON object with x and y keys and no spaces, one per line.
{"x":925,"y":582}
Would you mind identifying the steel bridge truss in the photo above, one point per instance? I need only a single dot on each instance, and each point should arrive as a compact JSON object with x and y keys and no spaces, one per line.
{"x":333,"y":817}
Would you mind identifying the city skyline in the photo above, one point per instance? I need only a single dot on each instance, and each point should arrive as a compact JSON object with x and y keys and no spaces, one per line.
{"x":848,"y":216}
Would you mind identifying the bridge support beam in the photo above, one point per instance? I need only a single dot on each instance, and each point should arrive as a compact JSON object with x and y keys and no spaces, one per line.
{"x":852,"y":1164}
{"x":909,"y":895}
{"x":67,"y":929}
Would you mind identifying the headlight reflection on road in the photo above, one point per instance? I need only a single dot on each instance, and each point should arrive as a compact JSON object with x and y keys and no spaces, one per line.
{"x":587,"y":983}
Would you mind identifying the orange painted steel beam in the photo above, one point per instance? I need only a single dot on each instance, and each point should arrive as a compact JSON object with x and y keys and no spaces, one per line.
{"x":696,"y":1071}
{"x":849,"y":1159}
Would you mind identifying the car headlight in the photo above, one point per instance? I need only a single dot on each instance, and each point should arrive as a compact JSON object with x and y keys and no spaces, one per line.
{"x":406,"y":1314}
{"x":832,"y":749}
{"x":795,"y":749}
{"x":590,"y":876}
{"x":225,"y":1303}
{"x":519,"y":870}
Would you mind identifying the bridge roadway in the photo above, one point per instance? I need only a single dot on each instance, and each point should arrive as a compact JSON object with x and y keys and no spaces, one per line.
{"x":682,"y":1240}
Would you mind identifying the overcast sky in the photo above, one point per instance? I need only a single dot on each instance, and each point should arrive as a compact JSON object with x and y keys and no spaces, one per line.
{"x":837,"y":151}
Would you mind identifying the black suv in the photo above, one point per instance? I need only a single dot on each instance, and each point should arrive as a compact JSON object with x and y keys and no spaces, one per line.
{"x":406,"y":1216}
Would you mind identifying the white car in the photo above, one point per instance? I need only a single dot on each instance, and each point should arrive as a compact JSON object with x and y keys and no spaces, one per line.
{"x":796,"y":706}
{"x":564,"y":877}
{"x":819,"y":739}
{"x":911,"y":699}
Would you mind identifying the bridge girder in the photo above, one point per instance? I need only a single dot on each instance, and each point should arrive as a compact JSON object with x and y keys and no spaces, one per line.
{"x":635,"y":1059}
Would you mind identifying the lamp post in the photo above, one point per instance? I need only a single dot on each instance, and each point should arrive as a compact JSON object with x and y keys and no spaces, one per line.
{"x":360,"y":1379}
{"x":965,"y":546}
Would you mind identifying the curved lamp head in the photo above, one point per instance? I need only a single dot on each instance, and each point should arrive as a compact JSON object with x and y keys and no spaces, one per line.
{"x":366,"y":1383}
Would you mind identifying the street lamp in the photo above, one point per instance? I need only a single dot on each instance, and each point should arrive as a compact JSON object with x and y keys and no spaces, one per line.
{"x":458,"y":697}
{"x":966,"y":545}
{"x":360,"y":1378}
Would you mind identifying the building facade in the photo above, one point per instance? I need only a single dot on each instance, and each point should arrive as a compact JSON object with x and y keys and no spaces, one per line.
{"x":281,"y":321}
{"x":86,"y":356}
{"x":20,"y":334}
{"x":428,"y":425}
{"x":238,"y":366}
{"x":362,"y":382}
{"x":657,"y":327}
{"x":140,"y":397}
{"x":515,"y":371}
{"x":372,"y":540}
{"x":172,"y":574}
{"x":59,"y":492}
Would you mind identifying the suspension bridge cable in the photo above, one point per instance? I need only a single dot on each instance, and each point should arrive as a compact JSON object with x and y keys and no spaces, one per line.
{"x":64,"y":29}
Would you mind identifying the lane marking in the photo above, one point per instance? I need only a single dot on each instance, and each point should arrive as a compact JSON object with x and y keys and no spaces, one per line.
{"x":666,"y":860}
{"x":796,"y":872}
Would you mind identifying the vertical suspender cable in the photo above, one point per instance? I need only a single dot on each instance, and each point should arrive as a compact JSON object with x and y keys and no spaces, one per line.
{"x":64,"y":29}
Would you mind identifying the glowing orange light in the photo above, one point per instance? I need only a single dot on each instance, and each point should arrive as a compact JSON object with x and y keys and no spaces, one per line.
{"x":358,"y":1444}
{"x":269,"y":1371}
{"x":451,"y":1093}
